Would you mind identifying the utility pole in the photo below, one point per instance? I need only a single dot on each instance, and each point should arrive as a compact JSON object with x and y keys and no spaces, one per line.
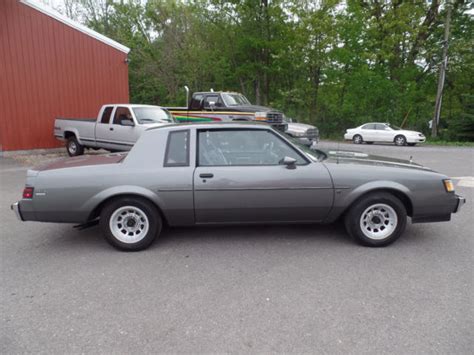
{"x":442,"y":73}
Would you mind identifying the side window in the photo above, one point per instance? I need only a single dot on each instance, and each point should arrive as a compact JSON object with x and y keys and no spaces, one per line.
{"x":368,"y":126}
{"x":209,"y":99}
{"x":106,"y":115}
{"x":196,"y":101}
{"x":380,"y":127}
{"x":122,"y":113}
{"x":243,"y":147}
{"x":177,"y":149}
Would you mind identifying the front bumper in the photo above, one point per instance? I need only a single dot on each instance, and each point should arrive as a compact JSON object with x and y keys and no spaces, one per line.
{"x":15,"y":207}
{"x":416,"y":139}
{"x":460,"y":202}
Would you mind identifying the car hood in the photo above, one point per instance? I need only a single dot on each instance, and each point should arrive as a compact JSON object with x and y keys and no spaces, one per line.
{"x":354,"y":157}
{"x":83,"y":160}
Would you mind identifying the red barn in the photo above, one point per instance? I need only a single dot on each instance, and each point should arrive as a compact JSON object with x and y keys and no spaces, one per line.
{"x":51,"y":66}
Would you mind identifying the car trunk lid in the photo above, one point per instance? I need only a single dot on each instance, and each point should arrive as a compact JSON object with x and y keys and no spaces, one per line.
{"x":84,"y":160}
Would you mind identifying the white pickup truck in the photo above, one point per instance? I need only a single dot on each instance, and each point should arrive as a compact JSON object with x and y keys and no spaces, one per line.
{"x":116,"y":128}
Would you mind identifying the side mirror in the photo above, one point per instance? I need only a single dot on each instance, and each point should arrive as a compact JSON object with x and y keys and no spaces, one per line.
{"x":127,"y":122}
{"x":289,"y":162}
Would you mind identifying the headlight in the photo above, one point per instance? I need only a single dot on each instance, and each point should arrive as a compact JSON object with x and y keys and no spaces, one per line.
{"x":448,"y":185}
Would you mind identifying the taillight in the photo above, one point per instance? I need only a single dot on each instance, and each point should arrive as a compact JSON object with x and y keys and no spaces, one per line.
{"x":28,"y":192}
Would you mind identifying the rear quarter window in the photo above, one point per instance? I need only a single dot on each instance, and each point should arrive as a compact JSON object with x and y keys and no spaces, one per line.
{"x":177,"y":149}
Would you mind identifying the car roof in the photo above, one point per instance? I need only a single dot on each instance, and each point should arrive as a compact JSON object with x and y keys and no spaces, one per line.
{"x":215,"y":125}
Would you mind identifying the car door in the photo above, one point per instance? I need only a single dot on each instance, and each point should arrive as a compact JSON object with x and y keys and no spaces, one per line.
{"x":239,"y":178}
{"x":118,"y":136}
{"x":367,"y":132}
{"x":102,"y":128}
{"x":383,"y":133}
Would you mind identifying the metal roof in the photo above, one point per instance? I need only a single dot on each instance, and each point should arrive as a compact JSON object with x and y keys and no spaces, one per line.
{"x":67,"y":21}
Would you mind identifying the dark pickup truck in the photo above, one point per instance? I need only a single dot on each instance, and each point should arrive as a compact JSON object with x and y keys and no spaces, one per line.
{"x":223,"y":106}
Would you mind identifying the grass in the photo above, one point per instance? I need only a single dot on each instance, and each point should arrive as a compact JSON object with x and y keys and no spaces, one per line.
{"x":435,"y":141}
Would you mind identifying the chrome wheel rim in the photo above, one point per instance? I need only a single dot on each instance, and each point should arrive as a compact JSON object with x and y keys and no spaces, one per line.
{"x":378,"y":221}
{"x":400,"y":140}
{"x":357,"y":139}
{"x":72,"y":148}
{"x":129,"y":224}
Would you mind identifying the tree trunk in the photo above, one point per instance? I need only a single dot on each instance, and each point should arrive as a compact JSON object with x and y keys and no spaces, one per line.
{"x":315,"y":73}
{"x":442,"y":75}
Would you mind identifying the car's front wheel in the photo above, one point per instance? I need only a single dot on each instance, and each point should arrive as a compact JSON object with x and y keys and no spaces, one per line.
{"x":357,"y":139}
{"x":130,"y":224}
{"x":400,"y":140}
{"x":411,"y":144}
{"x":376,"y":220}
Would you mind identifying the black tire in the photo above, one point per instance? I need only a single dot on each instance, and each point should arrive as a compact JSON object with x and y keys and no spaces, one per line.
{"x":411,"y":144}
{"x":357,"y":139}
{"x":73,"y":147}
{"x":354,"y":219}
{"x":369,"y":142}
{"x":400,"y":140}
{"x":125,"y":205}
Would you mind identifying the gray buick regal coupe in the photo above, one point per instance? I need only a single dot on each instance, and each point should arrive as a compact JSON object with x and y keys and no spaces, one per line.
{"x":235,"y":173}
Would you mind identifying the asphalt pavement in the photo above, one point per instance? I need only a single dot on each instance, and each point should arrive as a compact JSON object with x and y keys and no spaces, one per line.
{"x":264,"y":289}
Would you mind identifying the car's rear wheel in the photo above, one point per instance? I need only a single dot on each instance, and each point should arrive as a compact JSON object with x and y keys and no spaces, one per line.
{"x":73,"y":147}
{"x":400,"y":140}
{"x":357,"y":139}
{"x":130,"y":224}
{"x":376,"y":220}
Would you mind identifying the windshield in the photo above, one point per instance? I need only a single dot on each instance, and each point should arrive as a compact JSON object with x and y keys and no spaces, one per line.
{"x":235,"y":99}
{"x":313,"y":154}
{"x":146,"y":115}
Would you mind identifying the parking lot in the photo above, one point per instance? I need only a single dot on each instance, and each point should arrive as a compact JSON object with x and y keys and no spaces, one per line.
{"x":241,"y":289}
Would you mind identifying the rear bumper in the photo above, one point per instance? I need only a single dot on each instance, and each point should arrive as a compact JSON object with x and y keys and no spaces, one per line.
{"x":15,"y":207}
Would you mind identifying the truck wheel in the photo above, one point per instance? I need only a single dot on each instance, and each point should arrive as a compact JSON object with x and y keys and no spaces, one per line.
{"x":130,"y":224}
{"x":376,"y":220}
{"x":73,"y":147}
